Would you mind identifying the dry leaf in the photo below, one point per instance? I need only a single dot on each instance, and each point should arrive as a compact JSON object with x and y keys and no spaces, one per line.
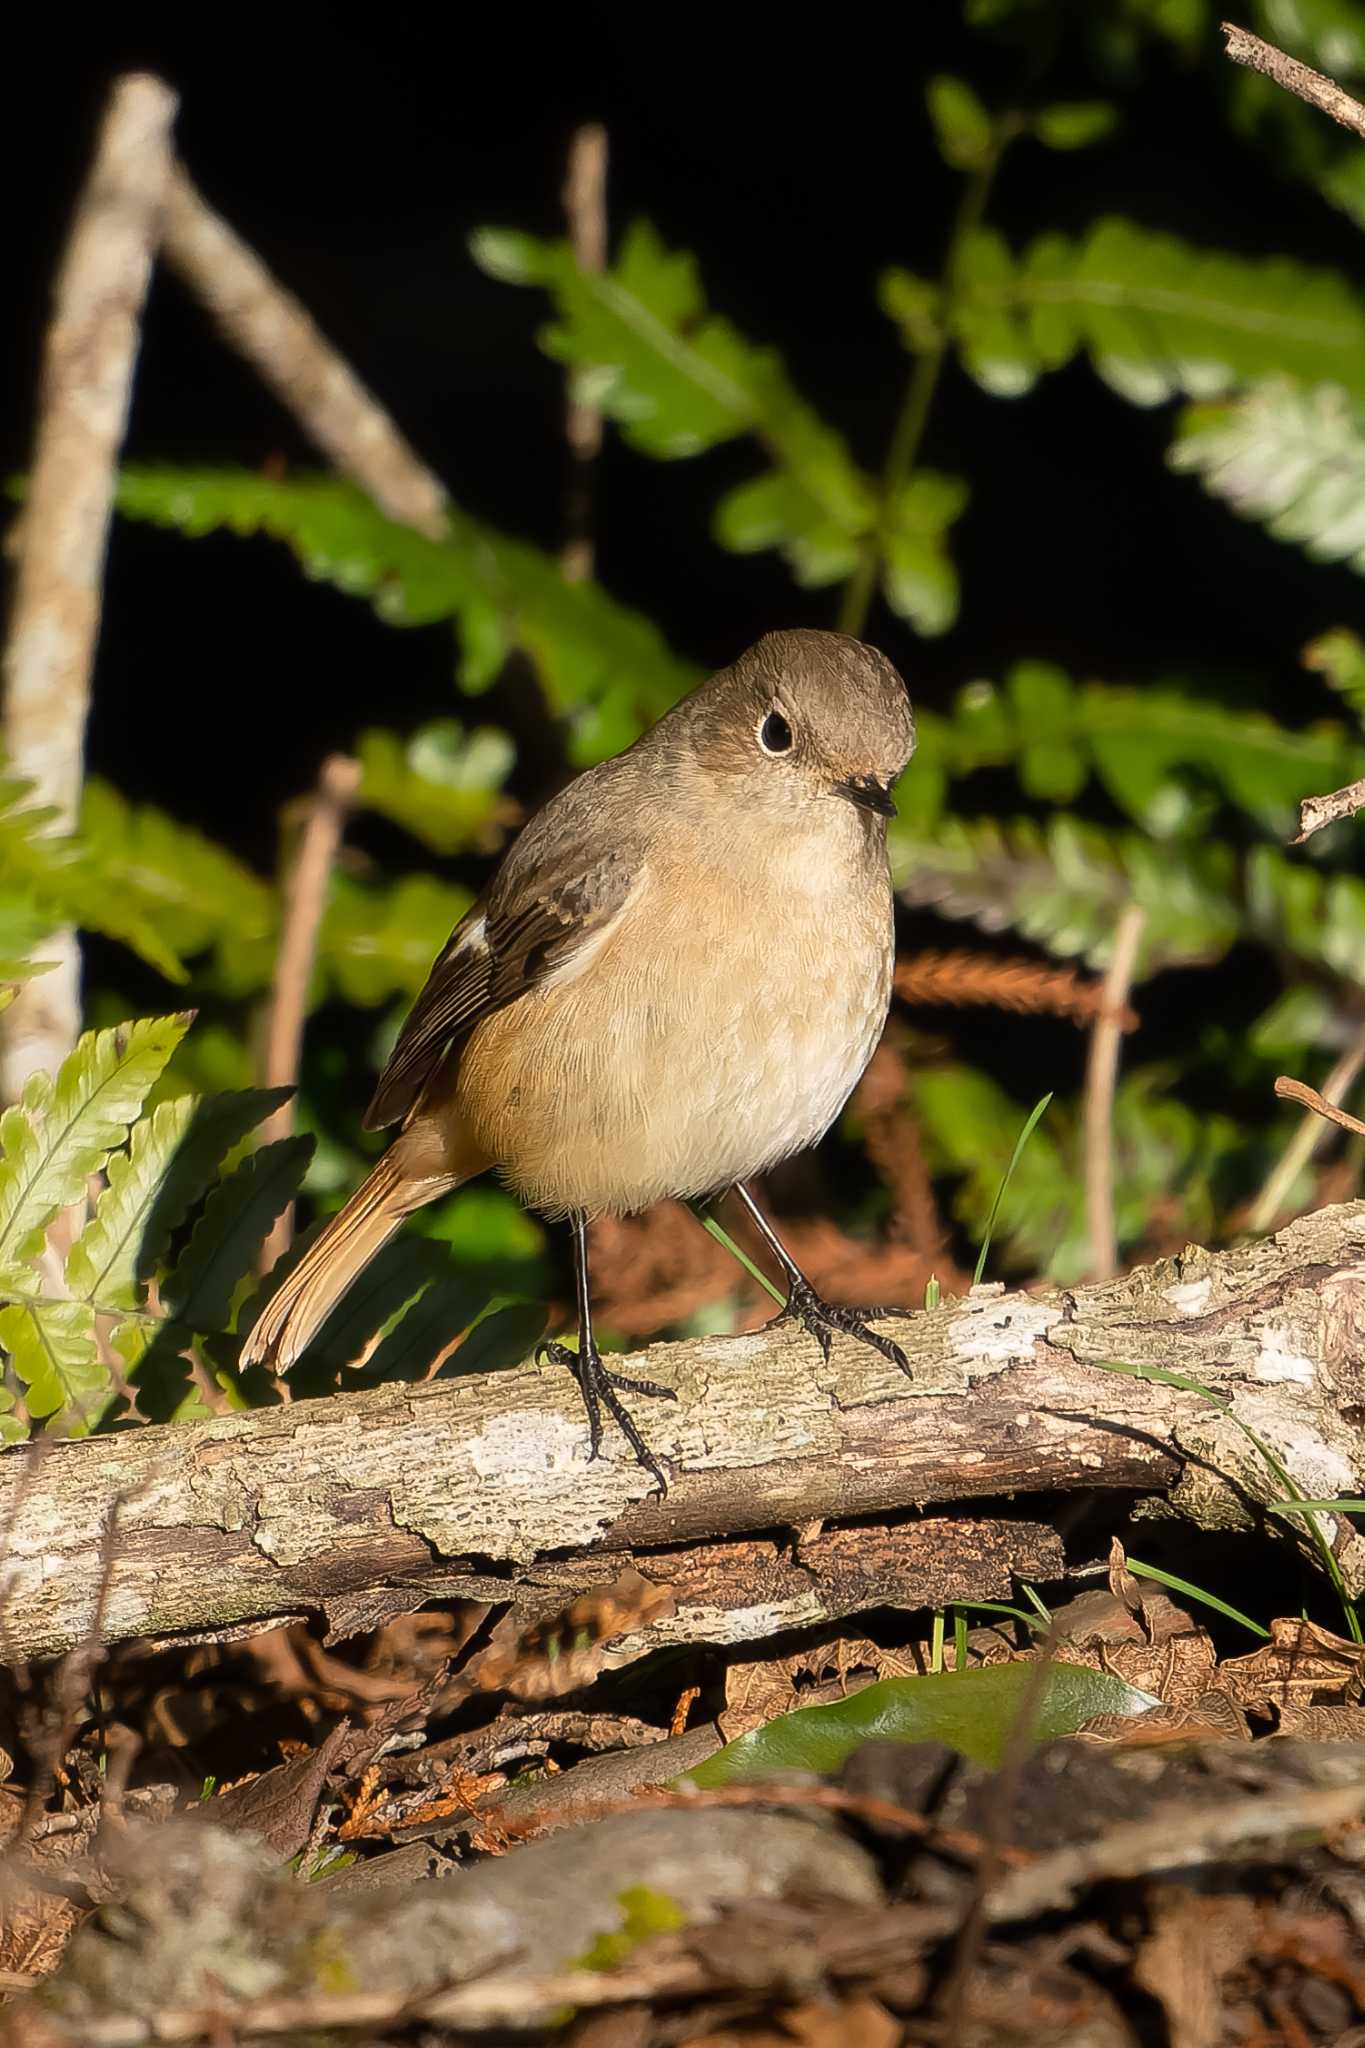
{"x":567,"y":1652}
{"x":279,"y":1806}
{"x":1302,"y":1665}
{"x":758,"y":1689}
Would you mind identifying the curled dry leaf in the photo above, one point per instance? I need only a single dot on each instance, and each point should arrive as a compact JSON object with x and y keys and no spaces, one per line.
{"x":567,"y":1651}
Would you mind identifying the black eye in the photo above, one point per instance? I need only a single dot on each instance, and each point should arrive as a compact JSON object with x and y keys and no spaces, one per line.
{"x":774,"y":735}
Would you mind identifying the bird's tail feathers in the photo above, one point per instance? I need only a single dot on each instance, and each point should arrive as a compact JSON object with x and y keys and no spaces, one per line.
{"x":301,"y":1304}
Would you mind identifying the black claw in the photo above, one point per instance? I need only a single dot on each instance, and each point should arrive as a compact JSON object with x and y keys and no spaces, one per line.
{"x":599,"y":1389}
{"x":822,"y":1318}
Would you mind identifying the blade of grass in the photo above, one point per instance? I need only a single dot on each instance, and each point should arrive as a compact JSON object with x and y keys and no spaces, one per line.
{"x":1318,"y":1507}
{"x":936,"y":1640}
{"x":1030,"y":1127}
{"x":959,"y":1639}
{"x":722,"y":1236}
{"x":1151,"y":1571}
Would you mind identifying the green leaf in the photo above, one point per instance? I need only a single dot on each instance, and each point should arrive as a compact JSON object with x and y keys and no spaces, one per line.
{"x":53,"y":1349}
{"x":109,"y":1261}
{"x":963,"y":130}
{"x":918,"y":577}
{"x":1157,"y":317}
{"x":1290,"y":458}
{"x":443,"y":785}
{"x":62,"y":1132}
{"x":1339,"y":658}
{"x":217,"y":1125}
{"x":973,"y":1711}
{"x":49,"y":878}
{"x":1074,"y":124}
{"x":604,"y":667}
{"x":236,"y":1219}
{"x":678,"y":379}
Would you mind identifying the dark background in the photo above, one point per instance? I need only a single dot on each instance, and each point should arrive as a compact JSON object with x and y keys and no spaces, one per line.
{"x":357,"y":151}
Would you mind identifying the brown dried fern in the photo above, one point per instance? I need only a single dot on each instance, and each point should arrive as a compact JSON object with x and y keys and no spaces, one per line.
{"x":962,"y":978}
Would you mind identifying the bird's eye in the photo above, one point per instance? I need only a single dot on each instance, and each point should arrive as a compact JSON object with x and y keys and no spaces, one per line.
{"x":775,"y":735}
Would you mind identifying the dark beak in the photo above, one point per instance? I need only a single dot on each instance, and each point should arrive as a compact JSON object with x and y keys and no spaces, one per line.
{"x":868,"y":794}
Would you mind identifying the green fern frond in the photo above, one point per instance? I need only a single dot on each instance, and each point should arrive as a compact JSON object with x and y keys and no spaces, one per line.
{"x":1292,"y":459}
{"x":1158,"y":318}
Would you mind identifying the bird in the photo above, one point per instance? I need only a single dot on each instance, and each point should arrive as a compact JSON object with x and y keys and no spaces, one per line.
{"x":673,"y":981}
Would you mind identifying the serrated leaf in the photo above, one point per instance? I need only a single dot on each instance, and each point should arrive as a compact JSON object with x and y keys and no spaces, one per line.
{"x":1292,"y":459}
{"x":1156,"y":316}
{"x":236,"y":1220}
{"x":217,"y":1125}
{"x":678,"y":379}
{"x":973,"y":1711}
{"x":107,"y":1263}
{"x":47,"y":1156}
{"x":52,"y":1347}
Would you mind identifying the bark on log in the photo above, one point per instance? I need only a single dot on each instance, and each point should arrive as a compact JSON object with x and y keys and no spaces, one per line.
{"x":463,"y":1484}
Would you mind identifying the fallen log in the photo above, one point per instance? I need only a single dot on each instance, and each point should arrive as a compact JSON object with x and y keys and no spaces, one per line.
{"x":378,"y":1500}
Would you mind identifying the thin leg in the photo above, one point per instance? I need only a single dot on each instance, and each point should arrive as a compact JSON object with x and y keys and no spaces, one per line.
{"x":806,"y":1307}
{"x":599,"y":1387}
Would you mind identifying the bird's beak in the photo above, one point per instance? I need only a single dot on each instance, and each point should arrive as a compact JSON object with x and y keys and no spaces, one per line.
{"x":868,"y":794}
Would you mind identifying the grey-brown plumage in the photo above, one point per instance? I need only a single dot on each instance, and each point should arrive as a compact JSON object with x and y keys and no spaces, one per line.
{"x":673,"y":980}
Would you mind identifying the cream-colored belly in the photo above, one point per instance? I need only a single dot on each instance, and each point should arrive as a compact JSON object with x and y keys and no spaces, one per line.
{"x":693,"y":1048}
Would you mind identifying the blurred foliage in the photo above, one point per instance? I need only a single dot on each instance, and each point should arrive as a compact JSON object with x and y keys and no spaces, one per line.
{"x":1039,"y":805}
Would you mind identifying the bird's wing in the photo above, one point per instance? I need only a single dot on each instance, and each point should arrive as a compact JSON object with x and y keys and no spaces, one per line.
{"x":529,"y":923}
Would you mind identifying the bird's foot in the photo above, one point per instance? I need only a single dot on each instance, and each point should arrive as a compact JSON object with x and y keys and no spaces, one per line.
{"x":600,"y":1389}
{"x":823,"y":1318}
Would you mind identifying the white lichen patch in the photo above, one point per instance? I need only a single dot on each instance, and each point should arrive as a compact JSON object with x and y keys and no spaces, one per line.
{"x":537,"y":1442}
{"x":1189,"y":1297}
{"x":1278,"y":1360}
{"x":1000,"y":1332}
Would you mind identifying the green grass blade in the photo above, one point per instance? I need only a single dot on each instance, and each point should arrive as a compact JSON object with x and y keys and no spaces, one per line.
{"x":1169,"y":1579}
{"x":1035,"y":1117}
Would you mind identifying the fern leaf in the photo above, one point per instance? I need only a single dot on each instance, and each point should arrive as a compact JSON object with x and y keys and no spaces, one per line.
{"x":1157,"y":317}
{"x":604,"y":667}
{"x":237,"y":1216}
{"x":678,"y":379}
{"x":1064,"y":885}
{"x":217,"y":1126}
{"x":61,"y":1133}
{"x":109,"y":1260}
{"x":52,"y":1347}
{"x":1292,"y":459}
{"x":49,"y":878}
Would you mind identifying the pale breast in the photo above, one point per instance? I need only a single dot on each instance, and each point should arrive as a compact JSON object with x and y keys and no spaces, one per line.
{"x":718,"y":1027}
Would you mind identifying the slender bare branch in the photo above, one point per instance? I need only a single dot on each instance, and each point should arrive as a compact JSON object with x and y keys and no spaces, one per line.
{"x":1317,"y":811}
{"x":1305,"y":83}
{"x":1299,"y":1091}
{"x":268,"y":326}
{"x":585,"y":205}
{"x":87,"y":376}
{"x":305,"y":899}
{"x":1101,"y":1079}
{"x":1271,"y":1201}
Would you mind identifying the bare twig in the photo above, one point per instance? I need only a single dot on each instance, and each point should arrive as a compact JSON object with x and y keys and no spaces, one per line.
{"x":87,"y":378}
{"x":1297,"y":1153}
{"x":1317,"y":811}
{"x":305,"y":899}
{"x":585,"y":205}
{"x":1101,"y":1076}
{"x":1323,"y":93}
{"x":271,"y":329}
{"x":1299,"y":1091}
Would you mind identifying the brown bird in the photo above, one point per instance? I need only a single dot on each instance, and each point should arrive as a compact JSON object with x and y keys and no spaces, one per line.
{"x":673,"y":981}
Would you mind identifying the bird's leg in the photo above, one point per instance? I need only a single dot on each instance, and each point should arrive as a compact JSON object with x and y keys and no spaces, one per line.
{"x":599,"y":1387}
{"x":806,"y":1307}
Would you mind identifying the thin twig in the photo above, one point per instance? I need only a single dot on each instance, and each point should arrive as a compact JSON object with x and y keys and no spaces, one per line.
{"x":268,"y":326}
{"x":1101,"y":1076}
{"x":1317,"y":811}
{"x":1306,"y":84}
{"x":585,"y":205}
{"x":1297,"y":1153}
{"x":305,"y":899}
{"x":87,"y":375}
{"x":1299,"y":1091}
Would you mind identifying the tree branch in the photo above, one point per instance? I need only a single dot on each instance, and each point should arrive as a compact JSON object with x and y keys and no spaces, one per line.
{"x":1307,"y":84}
{"x":469,"y":1484}
{"x":60,"y":541}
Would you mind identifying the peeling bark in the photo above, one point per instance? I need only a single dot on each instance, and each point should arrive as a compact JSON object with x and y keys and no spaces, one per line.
{"x":474,"y":1485}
